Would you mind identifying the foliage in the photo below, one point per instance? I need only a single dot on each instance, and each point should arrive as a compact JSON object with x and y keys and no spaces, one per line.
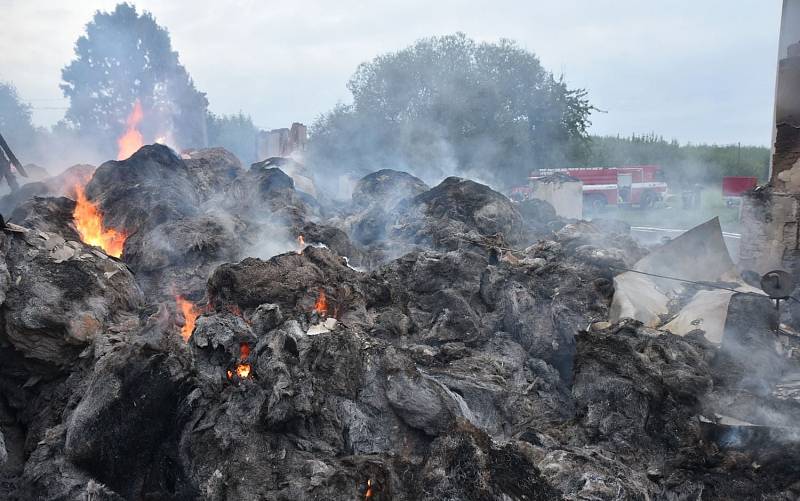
{"x":235,"y":133}
{"x":682,"y":164}
{"x":123,"y":57}
{"x":15,"y":120}
{"x":452,"y":105}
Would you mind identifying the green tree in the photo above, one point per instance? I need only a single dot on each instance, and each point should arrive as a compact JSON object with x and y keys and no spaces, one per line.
{"x":122,"y":58}
{"x":235,"y":133}
{"x":15,"y":121}
{"x":682,"y":164}
{"x":451,"y":105}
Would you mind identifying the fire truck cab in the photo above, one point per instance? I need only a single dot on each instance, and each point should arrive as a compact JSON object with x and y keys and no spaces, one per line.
{"x":640,"y":185}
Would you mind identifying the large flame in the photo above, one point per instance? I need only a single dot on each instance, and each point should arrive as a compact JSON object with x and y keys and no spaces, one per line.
{"x":89,"y":223}
{"x":130,"y":142}
{"x":190,"y":314}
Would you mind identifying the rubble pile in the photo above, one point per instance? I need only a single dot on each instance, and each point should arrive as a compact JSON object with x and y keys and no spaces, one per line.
{"x":420,"y":343}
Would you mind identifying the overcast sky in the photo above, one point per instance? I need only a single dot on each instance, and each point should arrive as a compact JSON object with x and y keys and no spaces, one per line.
{"x":699,"y":71}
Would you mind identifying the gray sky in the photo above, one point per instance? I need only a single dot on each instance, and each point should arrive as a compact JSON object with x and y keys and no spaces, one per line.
{"x":699,"y":71}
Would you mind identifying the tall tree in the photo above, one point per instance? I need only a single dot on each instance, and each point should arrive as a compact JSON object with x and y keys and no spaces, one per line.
{"x":15,"y":120}
{"x":124,"y":57}
{"x":236,"y":133}
{"x":451,"y":105}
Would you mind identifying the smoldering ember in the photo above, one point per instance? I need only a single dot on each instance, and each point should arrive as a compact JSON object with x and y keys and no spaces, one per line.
{"x":264,"y":324}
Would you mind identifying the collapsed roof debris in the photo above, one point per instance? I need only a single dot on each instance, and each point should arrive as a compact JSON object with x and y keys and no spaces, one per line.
{"x":707,"y":279}
{"x":423,"y":343}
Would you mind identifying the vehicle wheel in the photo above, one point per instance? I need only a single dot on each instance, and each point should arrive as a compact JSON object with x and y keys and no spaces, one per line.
{"x":597,"y":203}
{"x":648,"y":200}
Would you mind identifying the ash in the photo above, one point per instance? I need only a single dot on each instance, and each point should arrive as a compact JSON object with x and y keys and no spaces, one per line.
{"x":438,"y":343}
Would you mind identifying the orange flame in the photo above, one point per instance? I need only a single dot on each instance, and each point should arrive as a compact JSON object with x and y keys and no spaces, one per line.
{"x":89,"y":223}
{"x":242,"y":369}
{"x":301,"y":244}
{"x":130,"y":142}
{"x":369,"y":492}
{"x":321,"y":305}
{"x":190,"y":314}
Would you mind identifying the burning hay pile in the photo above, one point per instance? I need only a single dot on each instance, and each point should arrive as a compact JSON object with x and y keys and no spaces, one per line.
{"x":423,"y":343}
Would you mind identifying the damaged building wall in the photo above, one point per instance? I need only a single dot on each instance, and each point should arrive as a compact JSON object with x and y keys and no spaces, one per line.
{"x":771,"y":234}
{"x":564,"y":193}
{"x":282,"y":142}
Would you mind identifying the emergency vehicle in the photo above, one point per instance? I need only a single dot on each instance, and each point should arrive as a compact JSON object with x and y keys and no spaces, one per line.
{"x":641,"y":185}
{"x":734,"y":187}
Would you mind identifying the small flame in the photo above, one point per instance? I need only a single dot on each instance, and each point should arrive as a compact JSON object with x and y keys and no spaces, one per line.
{"x":301,"y":244}
{"x":190,"y":314}
{"x":369,"y":492}
{"x":321,"y":305}
{"x":89,"y":223}
{"x":130,"y":142}
{"x":242,"y":370}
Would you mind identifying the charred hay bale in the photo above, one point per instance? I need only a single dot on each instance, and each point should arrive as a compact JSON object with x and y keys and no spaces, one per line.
{"x":539,"y":217}
{"x":336,"y":239}
{"x":211,"y":170}
{"x":254,"y":437}
{"x":267,"y":194}
{"x":294,"y":282}
{"x":183,"y":253}
{"x":126,"y":428}
{"x":217,"y":343}
{"x":385,"y":188}
{"x":436,"y":292}
{"x":636,"y":390}
{"x":466,"y":464}
{"x":505,"y":389}
{"x":603,"y":242}
{"x":459,"y":297}
{"x":593,"y":473}
{"x":300,"y":175}
{"x":418,"y":399}
{"x":48,"y":475}
{"x":370,"y":226}
{"x":457,"y":207}
{"x":60,"y":295}
{"x":271,"y":178}
{"x":544,"y":307}
{"x":48,"y":214}
{"x":151,"y":187}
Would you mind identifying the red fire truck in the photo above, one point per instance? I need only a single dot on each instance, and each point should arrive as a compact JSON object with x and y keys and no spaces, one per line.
{"x":641,"y":185}
{"x":733,"y":187}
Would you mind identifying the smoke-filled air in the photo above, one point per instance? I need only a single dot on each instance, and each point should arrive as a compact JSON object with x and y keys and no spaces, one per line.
{"x":501,"y":251}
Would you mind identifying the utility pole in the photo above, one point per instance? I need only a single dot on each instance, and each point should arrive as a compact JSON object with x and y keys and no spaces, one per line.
{"x":738,"y":156}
